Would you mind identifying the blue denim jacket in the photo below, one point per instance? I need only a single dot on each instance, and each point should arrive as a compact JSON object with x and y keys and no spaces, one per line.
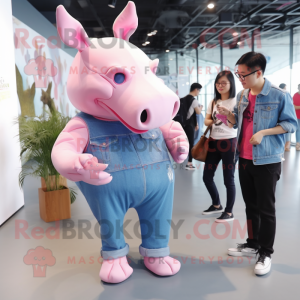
{"x":273,"y":107}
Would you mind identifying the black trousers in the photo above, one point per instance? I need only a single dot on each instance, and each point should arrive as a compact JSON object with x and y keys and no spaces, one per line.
{"x":258,"y":184}
{"x":190,"y":133}
{"x":220,"y":150}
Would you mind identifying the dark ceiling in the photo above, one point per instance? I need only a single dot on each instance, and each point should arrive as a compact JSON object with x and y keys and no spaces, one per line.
{"x":179,"y":23}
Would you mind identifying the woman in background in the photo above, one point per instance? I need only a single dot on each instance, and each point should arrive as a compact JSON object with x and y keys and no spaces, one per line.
{"x":221,"y":146}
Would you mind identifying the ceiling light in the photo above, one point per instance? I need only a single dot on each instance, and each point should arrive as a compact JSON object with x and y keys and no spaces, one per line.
{"x":167,"y":50}
{"x":112,"y":3}
{"x":151,"y":33}
{"x":238,"y":43}
{"x":155,"y":31}
{"x":210,"y":5}
{"x":144,"y":44}
{"x":147,"y":42}
{"x":235,"y":33}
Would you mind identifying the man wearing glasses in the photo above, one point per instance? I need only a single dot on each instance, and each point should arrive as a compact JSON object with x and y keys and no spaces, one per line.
{"x":262,"y":115}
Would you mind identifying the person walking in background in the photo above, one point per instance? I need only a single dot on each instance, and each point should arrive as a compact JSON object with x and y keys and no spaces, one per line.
{"x":192,"y":107}
{"x":282,"y":86}
{"x":296,"y":101}
{"x":221,"y":147}
{"x":262,"y":115}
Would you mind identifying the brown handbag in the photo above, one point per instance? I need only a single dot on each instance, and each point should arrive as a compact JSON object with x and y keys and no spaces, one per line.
{"x":199,"y":151}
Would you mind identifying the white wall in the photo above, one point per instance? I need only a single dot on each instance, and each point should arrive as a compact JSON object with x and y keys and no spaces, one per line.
{"x":11,"y":198}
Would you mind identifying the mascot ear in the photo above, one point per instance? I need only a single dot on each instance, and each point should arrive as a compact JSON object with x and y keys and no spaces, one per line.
{"x":153,"y":65}
{"x":126,"y":23}
{"x":70,"y":30}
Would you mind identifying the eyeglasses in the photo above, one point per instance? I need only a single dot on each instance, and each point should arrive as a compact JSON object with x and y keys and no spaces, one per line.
{"x":222,"y":84}
{"x":243,"y":76}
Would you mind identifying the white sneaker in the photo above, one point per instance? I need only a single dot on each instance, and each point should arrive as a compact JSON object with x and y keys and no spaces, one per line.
{"x":242,"y":250}
{"x":263,"y":265}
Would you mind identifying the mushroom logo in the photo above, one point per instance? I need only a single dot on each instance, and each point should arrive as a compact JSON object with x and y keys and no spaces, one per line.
{"x":39,"y":258}
{"x":40,"y":67}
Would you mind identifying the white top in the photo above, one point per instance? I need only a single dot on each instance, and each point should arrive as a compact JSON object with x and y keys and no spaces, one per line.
{"x":219,"y":129}
{"x":192,"y":108}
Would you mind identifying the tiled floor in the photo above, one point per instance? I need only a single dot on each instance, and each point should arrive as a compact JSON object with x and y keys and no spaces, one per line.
{"x":206,"y":271}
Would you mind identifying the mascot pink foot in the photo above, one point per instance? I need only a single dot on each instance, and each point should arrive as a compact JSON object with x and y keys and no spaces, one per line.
{"x":115,"y":270}
{"x":162,"y":266}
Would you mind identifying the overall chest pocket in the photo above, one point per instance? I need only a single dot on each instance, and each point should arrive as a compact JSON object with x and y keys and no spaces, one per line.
{"x":102,"y":147}
{"x":268,"y":111}
{"x":151,"y":147}
{"x":152,"y":139}
{"x":116,"y":151}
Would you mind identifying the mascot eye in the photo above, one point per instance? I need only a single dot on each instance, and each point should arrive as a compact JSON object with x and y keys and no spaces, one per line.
{"x":119,"y":78}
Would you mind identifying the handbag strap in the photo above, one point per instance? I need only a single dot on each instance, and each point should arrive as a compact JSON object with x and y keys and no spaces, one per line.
{"x":206,"y":131}
{"x":210,"y":126}
{"x":212,"y":107}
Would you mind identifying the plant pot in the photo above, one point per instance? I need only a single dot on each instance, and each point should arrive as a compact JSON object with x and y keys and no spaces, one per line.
{"x":61,"y":181}
{"x":55,"y":205}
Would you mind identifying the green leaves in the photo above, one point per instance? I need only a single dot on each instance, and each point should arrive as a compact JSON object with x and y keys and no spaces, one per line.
{"x":37,"y":138}
{"x":73,"y":194}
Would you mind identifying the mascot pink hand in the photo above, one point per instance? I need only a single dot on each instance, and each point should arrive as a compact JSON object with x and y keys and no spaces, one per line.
{"x":70,"y":162}
{"x":176,"y":141}
{"x":91,"y":171}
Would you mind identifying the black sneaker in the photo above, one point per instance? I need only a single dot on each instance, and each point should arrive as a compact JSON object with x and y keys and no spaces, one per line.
{"x":190,"y":167}
{"x":225,"y":218}
{"x":213,"y":210}
{"x":243,"y":250}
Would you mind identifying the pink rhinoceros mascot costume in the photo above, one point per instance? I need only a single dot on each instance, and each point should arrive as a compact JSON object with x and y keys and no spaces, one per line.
{"x":117,"y":148}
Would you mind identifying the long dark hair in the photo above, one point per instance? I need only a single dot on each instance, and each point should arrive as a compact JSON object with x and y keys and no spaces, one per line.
{"x":230,"y":77}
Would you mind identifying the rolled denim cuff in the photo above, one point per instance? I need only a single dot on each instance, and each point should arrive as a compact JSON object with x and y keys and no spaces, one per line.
{"x":288,"y":127}
{"x":161,"y":252}
{"x":115,"y":253}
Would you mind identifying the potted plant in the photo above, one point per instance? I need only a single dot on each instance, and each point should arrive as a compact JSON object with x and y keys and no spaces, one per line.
{"x":37,"y":137}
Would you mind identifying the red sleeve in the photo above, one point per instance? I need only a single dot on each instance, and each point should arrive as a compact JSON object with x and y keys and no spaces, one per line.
{"x":296,"y":99}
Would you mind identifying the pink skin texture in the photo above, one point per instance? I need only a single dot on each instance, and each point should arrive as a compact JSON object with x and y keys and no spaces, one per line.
{"x":40,"y":68}
{"x":91,"y":89}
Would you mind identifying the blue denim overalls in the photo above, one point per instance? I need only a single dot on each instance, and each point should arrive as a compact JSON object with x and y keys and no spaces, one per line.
{"x":143,"y":179}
